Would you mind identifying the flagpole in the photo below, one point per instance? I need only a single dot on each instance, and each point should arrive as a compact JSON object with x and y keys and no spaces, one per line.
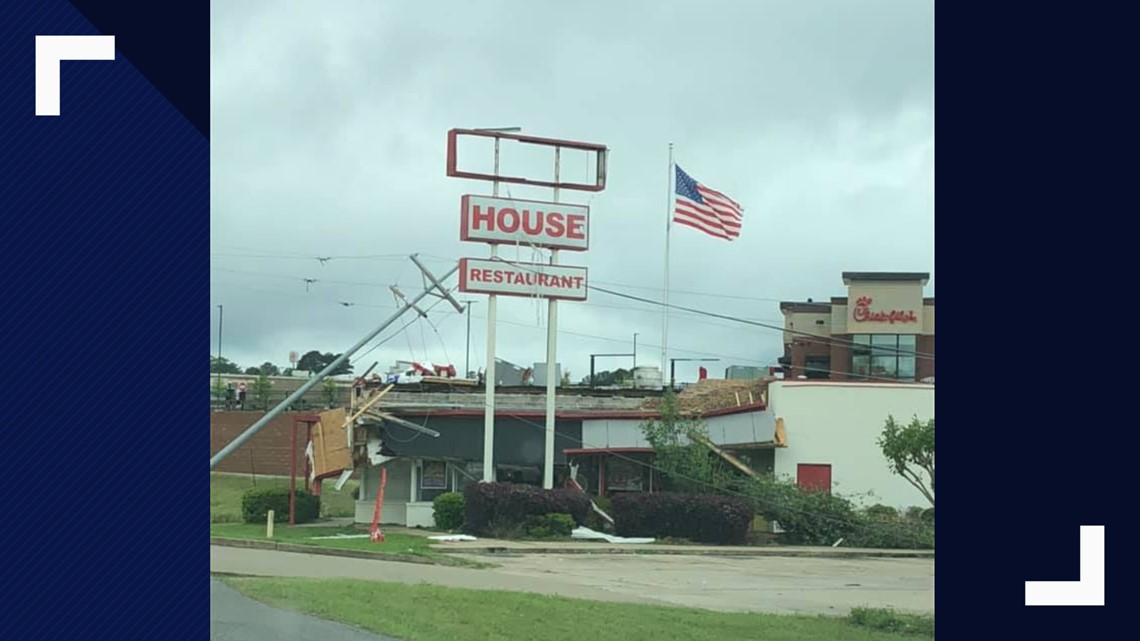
{"x":668,"y":229}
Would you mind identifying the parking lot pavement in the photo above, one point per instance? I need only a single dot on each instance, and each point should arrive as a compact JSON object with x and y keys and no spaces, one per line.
{"x":759,"y":584}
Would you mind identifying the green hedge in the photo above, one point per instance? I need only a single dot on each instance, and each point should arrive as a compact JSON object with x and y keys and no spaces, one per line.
{"x":501,"y":510}
{"x":447,"y":510}
{"x":696,"y":517}
{"x":877,"y":528}
{"x":549,"y":526}
{"x":256,"y":503}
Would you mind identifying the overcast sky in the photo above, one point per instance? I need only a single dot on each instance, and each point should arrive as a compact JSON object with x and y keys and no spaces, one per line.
{"x":329,"y":127}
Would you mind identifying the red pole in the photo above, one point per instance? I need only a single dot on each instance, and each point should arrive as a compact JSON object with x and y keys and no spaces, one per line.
{"x":377,"y":536}
{"x":293,"y":478}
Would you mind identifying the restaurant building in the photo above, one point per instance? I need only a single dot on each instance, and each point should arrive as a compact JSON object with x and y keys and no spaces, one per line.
{"x":883,"y":329}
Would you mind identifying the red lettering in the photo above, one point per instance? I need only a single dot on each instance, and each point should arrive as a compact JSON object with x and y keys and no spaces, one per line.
{"x":567,"y":281}
{"x":575,"y":226}
{"x":513,"y":225}
{"x":863,"y":314}
{"x":480,"y":216}
{"x":498,"y":276}
{"x":578,"y":282}
{"x":532,"y":226}
{"x":476,"y":275}
{"x":555,"y":226}
{"x":486,"y":275}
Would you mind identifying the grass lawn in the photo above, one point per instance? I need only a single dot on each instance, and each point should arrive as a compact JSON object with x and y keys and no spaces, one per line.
{"x":433,"y":613}
{"x":394,"y":544}
{"x":226,"y":491}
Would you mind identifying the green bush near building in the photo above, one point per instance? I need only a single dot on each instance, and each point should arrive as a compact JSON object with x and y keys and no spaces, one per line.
{"x":447,"y":511}
{"x":549,"y":526}
{"x":257,"y":502}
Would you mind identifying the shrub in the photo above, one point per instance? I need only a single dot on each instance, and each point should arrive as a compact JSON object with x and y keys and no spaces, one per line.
{"x":256,"y":503}
{"x":884,"y":512}
{"x":808,"y":518}
{"x":898,"y":534}
{"x":447,"y":510}
{"x":928,"y":515}
{"x":891,"y":621}
{"x":914,"y":513}
{"x":696,"y":517}
{"x":549,"y":526}
{"x":501,"y":509}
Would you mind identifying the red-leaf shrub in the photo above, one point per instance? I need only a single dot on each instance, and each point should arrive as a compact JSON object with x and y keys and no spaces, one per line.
{"x":506,"y":506}
{"x":696,"y":517}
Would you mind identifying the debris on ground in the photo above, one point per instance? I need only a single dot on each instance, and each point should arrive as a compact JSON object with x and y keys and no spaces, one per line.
{"x":586,"y":534}
{"x":453,"y":538}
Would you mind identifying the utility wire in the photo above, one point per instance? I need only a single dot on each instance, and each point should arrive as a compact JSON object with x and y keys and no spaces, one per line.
{"x":562,"y":331}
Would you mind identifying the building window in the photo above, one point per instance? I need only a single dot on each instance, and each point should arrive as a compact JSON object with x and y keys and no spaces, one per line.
{"x":883,"y":356}
{"x":817,"y":366}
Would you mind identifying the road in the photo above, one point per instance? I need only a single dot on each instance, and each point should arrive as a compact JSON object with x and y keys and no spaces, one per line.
{"x":234,"y":617}
{"x":727,"y":584}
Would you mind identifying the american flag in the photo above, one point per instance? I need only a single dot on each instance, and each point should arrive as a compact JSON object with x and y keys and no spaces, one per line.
{"x":706,"y":209}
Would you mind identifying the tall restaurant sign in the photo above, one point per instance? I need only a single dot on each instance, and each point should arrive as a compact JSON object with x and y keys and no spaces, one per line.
{"x":528,"y":223}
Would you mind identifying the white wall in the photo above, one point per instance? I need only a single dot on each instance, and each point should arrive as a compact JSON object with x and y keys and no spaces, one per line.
{"x":746,"y":427}
{"x":612,"y":433}
{"x":838,"y":424}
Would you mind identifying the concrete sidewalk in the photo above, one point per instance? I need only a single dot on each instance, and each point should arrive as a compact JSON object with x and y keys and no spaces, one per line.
{"x":493,"y":546}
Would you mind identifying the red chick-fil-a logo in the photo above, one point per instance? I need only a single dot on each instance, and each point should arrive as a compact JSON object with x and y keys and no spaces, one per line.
{"x":863,"y":313}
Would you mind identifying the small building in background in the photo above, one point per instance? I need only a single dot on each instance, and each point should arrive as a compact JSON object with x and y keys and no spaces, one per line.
{"x":745,"y":373}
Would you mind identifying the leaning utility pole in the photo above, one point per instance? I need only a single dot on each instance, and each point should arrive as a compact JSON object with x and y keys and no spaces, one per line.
{"x":435,"y":288}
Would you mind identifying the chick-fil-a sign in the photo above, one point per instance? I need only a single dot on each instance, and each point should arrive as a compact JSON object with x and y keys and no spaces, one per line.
{"x":864,"y":314}
{"x":540,"y":224}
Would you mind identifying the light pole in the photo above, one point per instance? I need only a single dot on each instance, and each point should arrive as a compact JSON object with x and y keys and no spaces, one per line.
{"x":467,"y":363}
{"x":635,"y":350}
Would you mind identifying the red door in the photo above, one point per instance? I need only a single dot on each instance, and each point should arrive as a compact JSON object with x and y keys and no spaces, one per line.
{"x":814,"y":476}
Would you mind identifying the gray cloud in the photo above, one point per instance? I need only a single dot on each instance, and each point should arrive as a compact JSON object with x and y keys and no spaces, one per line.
{"x":328,"y":139}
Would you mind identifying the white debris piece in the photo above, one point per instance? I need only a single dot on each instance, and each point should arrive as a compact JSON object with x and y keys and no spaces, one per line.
{"x":586,"y":534}
{"x":449,"y":538}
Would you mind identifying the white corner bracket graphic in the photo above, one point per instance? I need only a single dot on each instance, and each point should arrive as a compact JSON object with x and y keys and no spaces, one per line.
{"x":1089,"y":590}
{"x":50,"y":50}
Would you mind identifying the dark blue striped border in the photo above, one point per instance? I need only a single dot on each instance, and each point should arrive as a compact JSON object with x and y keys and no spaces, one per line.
{"x":104,"y":247}
{"x":1036,"y":136}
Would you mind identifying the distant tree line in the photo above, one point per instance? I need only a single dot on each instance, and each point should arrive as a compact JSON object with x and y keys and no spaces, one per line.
{"x":313,"y":361}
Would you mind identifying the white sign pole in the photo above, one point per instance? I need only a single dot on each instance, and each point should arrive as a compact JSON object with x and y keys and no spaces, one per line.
{"x":551,"y":358}
{"x":489,"y":376}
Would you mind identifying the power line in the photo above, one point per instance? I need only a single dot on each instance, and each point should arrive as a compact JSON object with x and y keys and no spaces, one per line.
{"x":823,"y":339}
{"x":828,"y":340}
{"x":569,"y":332}
{"x":371,"y":284}
{"x":443,"y":258}
{"x":814,"y":337}
{"x":318,"y":258}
